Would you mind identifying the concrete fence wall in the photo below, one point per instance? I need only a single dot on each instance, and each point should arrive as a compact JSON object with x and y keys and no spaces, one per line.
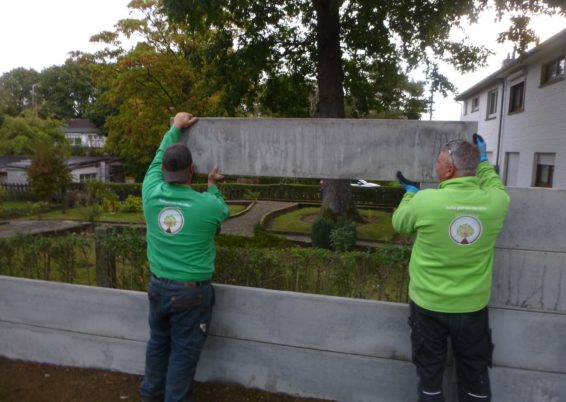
{"x":322,"y":148}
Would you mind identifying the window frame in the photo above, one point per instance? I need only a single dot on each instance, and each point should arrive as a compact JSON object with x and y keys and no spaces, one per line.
{"x":558,"y":64}
{"x":475,"y":104}
{"x":543,"y":169}
{"x":489,"y":115}
{"x":520,"y":108}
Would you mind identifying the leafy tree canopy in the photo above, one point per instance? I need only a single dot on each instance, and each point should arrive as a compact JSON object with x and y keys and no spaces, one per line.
{"x":24,"y":135}
{"x":48,"y":175}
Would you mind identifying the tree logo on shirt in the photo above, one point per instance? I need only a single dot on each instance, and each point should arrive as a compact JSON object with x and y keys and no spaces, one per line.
{"x":465,"y":229}
{"x":171,"y":220}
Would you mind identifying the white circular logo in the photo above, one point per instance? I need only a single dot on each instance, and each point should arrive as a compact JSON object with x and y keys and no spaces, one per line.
{"x":171,"y":220}
{"x":465,"y":229}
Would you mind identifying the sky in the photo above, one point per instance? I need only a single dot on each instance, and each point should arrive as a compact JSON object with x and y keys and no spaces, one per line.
{"x":40,"y":33}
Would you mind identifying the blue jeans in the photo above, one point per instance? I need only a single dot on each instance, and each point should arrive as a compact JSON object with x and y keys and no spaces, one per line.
{"x":470,"y":336}
{"x":179,"y":317}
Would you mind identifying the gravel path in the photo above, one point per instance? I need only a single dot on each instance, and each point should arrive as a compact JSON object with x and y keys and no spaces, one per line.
{"x":244,"y":225}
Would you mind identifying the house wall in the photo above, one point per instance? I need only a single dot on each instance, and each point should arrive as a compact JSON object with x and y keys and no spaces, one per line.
{"x":540,"y":128}
{"x":16,"y":176}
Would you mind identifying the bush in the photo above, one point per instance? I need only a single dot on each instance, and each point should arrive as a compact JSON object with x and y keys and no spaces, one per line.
{"x":320,"y":233}
{"x":90,"y":212}
{"x":343,"y":235}
{"x":132,"y":204}
{"x":110,"y":202}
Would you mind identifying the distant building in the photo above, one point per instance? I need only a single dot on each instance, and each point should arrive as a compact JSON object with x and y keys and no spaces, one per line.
{"x":83,"y":133}
{"x":83,"y":168}
{"x":5,"y":161}
{"x":521,"y":112}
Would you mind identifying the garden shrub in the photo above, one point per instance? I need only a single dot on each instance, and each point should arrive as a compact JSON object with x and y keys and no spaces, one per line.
{"x":320,"y":233}
{"x":132,"y":204}
{"x":343,"y":235}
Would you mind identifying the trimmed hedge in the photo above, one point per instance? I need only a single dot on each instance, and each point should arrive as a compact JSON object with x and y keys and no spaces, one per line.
{"x":388,"y":197}
{"x":379,"y":275}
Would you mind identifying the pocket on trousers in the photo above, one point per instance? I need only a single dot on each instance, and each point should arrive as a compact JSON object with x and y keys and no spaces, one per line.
{"x":185,"y":302}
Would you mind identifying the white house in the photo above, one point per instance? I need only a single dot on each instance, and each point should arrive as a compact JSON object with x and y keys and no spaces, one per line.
{"x":83,"y":168}
{"x":521,"y":112}
{"x":83,"y":133}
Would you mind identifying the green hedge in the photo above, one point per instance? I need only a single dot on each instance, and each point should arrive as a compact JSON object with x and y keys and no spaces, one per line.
{"x":379,"y":275}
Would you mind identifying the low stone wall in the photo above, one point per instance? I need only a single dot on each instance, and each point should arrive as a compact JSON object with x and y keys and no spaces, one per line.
{"x":326,"y":347}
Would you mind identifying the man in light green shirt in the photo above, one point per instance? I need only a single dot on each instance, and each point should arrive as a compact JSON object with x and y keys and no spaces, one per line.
{"x":181,"y":225}
{"x":450,"y":270}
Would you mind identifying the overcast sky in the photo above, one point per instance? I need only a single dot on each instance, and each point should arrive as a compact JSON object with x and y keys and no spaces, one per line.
{"x":41,"y":33}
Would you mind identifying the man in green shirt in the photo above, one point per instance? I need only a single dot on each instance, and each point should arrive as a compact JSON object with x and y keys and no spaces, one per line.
{"x":450,"y":270}
{"x":181,"y":224}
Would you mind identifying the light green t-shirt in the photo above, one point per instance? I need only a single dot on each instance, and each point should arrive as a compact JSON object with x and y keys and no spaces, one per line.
{"x":181,"y":223}
{"x":456,"y":227}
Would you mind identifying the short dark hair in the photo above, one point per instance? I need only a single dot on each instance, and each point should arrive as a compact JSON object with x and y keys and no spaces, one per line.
{"x":176,"y":163}
{"x":464,"y":156}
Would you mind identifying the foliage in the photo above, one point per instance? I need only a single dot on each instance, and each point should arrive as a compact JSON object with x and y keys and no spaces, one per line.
{"x":59,"y":258}
{"x":48,"y":174}
{"x":68,"y":91}
{"x":320,"y":233}
{"x":25,"y":135}
{"x":343,"y":235}
{"x":132,"y":204}
{"x":163,"y":74}
{"x":16,"y":87}
{"x":90,"y":212}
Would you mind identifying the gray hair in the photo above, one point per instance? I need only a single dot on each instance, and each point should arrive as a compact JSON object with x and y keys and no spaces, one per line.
{"x":463,"y":155}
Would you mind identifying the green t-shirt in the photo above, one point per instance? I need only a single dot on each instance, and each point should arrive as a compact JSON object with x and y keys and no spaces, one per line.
{"x":181,"y":223}
{"x":456,"y":227}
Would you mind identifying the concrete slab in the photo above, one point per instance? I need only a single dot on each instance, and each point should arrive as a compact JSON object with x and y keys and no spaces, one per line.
{"x":13,"y":228}
{"x":529,"y":279}
{"x":535,"y":221}
{"x":322,"y":148}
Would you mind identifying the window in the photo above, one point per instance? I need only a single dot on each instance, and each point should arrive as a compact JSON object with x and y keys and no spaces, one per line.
{"x":516,"y":97}
{"x":544,"y":170}
{"x":75,"y":140}
{"x":492,"y":104}
{"x":552,"y":71}
{"x":465,"y":107}
{"x":87,"y":177}
{"x":475,"y":104}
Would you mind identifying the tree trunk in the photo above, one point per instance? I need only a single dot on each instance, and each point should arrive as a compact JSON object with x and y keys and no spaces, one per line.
{"x":337,"y":195}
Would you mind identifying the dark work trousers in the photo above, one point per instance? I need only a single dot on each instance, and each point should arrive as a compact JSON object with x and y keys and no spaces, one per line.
{"x":470,"y":336}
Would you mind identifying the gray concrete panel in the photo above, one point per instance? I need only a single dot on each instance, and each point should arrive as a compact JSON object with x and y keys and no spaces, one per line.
{"x":282,"y":354}
{"x":511,"y":385}
{"x":536,"y":220}
{"x":312,"y":373}
{"x":304,"y":320}
{"x":529,"y":279}
{"x":73,"y":349}
{"x":84,"y":309}
{"x":322,"y":148}
{"x":529,"y":340}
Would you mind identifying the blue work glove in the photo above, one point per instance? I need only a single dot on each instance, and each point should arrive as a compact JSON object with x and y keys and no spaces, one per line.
{"x":479,"y":142}
{"x":410,"y":186}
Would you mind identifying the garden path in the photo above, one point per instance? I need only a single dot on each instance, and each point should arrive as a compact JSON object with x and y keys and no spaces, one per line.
{"x":244,"y":225}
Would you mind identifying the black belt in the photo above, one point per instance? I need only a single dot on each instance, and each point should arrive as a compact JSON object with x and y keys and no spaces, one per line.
{"x":186,"y":284}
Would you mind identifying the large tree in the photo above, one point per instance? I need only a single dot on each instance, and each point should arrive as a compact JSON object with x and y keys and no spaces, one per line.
{"x":164,"y":73}
{"x":24,"y":135}
{"x":346,"y":45}
{"x":18,"y":91}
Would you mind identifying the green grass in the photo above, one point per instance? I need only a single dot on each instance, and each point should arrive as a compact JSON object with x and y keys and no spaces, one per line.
{"x":16,"y":204}
{"x":378,"y":226}
{"x":122,"y":217}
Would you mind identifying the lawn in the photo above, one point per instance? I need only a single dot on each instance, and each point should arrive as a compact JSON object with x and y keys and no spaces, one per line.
{"x":378,"y":226}
{"x":122,"y":217}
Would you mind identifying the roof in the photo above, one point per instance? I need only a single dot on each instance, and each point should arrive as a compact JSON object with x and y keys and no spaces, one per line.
{"x":74,"y":162}
{"x":81,"y":126}
{"x":556,"y":42}
{"x":7,"y":160}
